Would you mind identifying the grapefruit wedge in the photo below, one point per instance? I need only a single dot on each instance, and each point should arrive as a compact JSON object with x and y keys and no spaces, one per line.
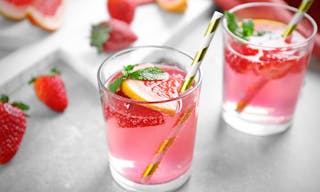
{"x":177,"y":6}
{"x":155,"y":90}
{"x":14,"y":9}
{"x":47,"y":14}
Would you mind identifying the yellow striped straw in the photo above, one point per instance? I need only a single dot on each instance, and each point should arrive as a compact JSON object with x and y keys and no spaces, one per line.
{"x":197,"y":60}
{"x":304,"y":6}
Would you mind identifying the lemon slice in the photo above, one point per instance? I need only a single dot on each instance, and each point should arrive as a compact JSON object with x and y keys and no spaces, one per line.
{"x":155,"y":90}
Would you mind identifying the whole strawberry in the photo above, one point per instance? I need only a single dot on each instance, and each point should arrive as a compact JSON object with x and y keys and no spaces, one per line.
{"x":112,"y":35}
{"x":51,"y":91}
{"x":12,"y":127}
{"x":122,"y":9}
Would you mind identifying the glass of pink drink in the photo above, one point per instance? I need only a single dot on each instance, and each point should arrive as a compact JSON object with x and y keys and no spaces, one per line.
{"x":264,"y":73}
{"x":136,"y":129}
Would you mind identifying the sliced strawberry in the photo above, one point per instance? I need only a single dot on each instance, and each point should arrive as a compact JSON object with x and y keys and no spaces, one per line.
{"x":301,"y":65}
{"x":132,"y":115}
{"x":274,"y":64}
{"x":243,"y":49}
{"x":238,"y":63}
{"x":112,"y":35}
{"x":122,"y":9}
{"x":235,"y":56}
{"x":168,"y":88}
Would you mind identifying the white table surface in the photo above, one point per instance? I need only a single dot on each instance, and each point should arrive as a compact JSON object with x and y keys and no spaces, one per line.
{"x":225,"y":160}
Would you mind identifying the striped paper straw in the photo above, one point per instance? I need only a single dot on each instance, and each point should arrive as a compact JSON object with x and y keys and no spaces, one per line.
{"x":197,"y":60}
{"x":304,"y":6}
{"x":255,"y":88}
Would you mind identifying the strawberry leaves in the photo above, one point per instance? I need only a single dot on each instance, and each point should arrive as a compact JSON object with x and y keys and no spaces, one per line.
{"x":112,"y":35}
{"x":247,"y":28}
{"x":148,"y":73}
{"x":20,"y":105}
{"x":99,"y":35}
{"x":4,"y":99}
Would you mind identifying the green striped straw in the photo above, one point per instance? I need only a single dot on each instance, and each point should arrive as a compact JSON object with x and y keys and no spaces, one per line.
{"x":197,"y":60}
{"x":304,"y":6}
{"x":254,"y":89}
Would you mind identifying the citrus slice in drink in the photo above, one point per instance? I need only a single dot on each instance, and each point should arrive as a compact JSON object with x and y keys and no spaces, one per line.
{"x":157,"y":91}
{"x":178,"y":6}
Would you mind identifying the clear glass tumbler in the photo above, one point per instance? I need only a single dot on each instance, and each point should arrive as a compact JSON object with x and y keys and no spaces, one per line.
{"x":263,"y":74}
{"x":149,"y":149}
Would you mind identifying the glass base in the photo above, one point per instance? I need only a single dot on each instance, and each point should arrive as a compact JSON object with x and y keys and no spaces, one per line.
{"x":253,"y":128}
{"x":132,"y":186}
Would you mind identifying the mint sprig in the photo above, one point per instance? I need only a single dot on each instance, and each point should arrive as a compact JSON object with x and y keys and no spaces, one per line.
{"x":148,"y":73}
{"x":245,"y":31}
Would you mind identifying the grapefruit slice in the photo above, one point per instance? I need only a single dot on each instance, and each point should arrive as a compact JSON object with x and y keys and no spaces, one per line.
{"x":155,"y":90}
{"x":14,"y":9}
{"x":47,"y":14}
{"x":177,"y":6}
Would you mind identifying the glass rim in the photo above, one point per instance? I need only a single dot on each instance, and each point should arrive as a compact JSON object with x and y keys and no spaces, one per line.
{"x":276,"y":5}
{"x":119,"y":53}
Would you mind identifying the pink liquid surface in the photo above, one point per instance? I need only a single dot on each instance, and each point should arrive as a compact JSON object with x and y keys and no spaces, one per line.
{"x":134,"y":133}
{"x":269,"y":79}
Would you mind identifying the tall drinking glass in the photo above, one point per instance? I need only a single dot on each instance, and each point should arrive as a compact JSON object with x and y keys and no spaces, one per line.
{"x":150,"y":149}
{"x":264,"y":73}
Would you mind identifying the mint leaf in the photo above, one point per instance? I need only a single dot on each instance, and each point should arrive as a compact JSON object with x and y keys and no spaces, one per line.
{"x":129,"y":68}
{"x":231,"y":22}
{"x":114,"y":86}
{"x":261,"y":33}
{"x":247,"y":28}
{"x":149,"y":73}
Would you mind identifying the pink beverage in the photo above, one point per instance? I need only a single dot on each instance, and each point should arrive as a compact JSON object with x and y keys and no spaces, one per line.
{"x":263,"y":77}
{"x":136,"y":130}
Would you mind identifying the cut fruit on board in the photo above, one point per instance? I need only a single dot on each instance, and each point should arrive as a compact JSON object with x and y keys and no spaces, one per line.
{"x":43,"y":13}
{"x":14,"y":9}
{"x":177,"y":6}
